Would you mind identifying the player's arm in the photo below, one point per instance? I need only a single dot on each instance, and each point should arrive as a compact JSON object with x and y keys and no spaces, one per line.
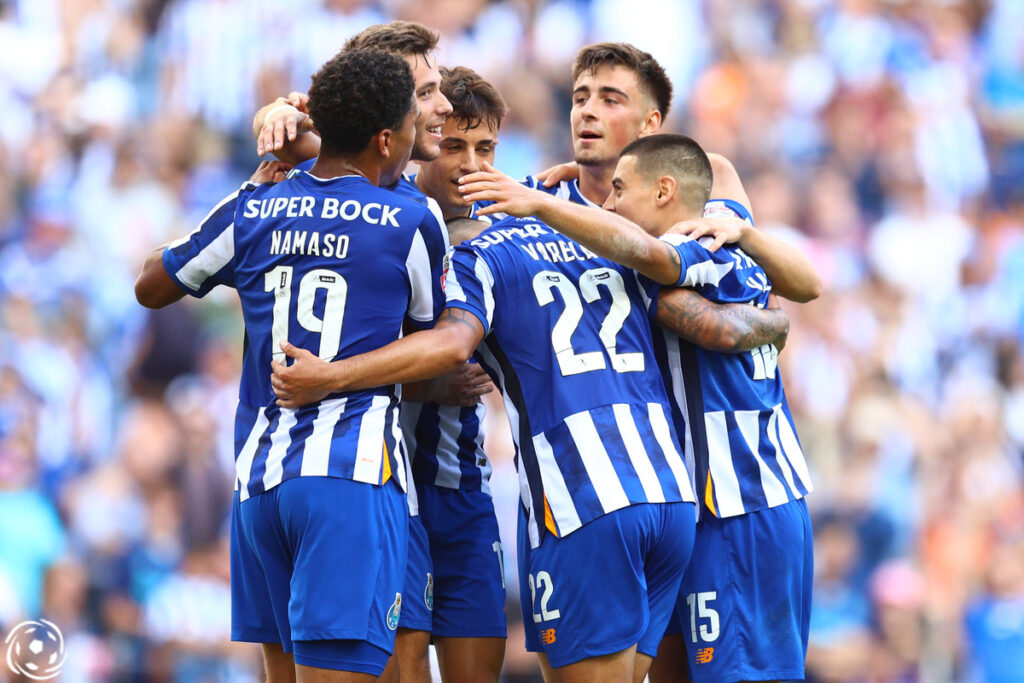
{"x":603,"y":232}
{"x":727,"y":328}
{"x":791,"y":273}
{"x":155,"y":288}
{"x":284,"y":129}
{"x":418,"y":356}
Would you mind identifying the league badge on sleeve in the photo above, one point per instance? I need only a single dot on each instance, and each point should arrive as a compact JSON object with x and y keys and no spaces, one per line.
{"x":395,"y":612}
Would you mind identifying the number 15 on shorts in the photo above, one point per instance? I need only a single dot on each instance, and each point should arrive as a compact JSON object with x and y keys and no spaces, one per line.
{"x":704,"y":620}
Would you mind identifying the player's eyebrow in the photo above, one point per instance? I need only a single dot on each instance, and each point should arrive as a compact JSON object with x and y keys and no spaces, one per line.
{"x":617,"y":183}
{"x":609,"y":90}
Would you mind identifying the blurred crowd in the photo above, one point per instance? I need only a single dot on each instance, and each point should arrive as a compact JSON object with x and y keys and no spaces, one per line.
{"x":885,"y":137}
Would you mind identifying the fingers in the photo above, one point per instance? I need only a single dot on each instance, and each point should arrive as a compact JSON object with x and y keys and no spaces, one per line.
{"x":717,"y":242}
{"x":292,"y":351}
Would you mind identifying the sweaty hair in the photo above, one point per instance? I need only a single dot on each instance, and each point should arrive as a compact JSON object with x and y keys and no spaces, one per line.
{"x":474,"y":100}
{"x":678,"y":156}
{"x":649,"y":74}
{"x":402,"y":38}
{"x":357,"y":94}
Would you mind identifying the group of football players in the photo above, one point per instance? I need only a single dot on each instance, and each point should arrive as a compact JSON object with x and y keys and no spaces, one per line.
{"x":624,"y":307}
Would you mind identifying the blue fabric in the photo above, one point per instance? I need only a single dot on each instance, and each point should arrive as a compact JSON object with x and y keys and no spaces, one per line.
{"x":745,"y":604}
{"x":607,"y":586}
{"x":418,"y":603}
{"x":469,"y":584}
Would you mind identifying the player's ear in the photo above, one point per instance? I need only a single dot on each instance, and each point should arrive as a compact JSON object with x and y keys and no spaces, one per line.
{"x":383,"y":141}
{"x":666,"y":186}
{"x":651,"y":123}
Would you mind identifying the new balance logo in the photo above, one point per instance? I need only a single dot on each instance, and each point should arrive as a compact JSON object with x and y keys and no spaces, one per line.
{"x":548,"y":636}
{"x":705,"y":655}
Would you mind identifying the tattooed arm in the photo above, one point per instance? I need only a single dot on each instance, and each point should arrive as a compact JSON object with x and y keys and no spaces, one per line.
{"x":727,"y":328}
{"x":414,"y":357}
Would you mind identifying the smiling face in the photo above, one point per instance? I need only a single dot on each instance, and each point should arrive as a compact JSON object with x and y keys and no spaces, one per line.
{"x":462,"y":152}
{"x":433,"y":105}
{"x":609,"y":110}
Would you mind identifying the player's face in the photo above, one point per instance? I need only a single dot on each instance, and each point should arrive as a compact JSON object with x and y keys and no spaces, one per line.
{"x":633,"y":196}
{"x":462,"y":151}
{"x":609,"y":111}
{"x":432,"y":103}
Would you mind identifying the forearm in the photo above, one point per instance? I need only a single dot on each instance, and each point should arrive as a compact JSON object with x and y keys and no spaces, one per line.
{"x":154,"y":288}
{"x":413,"y":358}
{"x":727,"y":328}
{"x":792,"y":274}
{"x":610,"y":235}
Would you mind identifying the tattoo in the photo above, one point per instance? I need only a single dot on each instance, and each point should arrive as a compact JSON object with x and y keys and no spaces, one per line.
{"x":726,"y":328}
{"x":674,"y":256}
{"x":459,"y":316}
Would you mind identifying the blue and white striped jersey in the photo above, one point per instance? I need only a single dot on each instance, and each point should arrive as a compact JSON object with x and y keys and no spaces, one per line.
{"x":731,"y":408}
{"x":333,"y":266}
{"x":569,"y":345}
{"x":567,"y":189}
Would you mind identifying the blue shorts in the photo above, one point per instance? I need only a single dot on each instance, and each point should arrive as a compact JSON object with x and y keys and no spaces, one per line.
{"x":417,"y":611}
{"x":320,"y":559}
{"x":469,"y":577}
{"x":610,"y":584}
{"x":745,"y":605}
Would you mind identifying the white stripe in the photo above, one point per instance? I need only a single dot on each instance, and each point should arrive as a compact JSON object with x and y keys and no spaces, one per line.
{"x":452,"y":287}
{"x":448,"y":473}
{"x":316,"y":454}
{"x":787,"y":471}
{"x":212,"y":258}
{"x":435,"y":209}
{"x":678,"y":388}
{"x":483,"y":273}
{"x":663,"y":435}
{"x":638,"y":454}
{"x":643,"y":292}
{"x":279,"y":442}
{"x":706,"y":273}
{"x":596,"y":461}
{"x":749,"y":424}
{"x":720,"y":466}
{"x":418,"y":267}
{"x":792,"y":450}
{"x":243,"y":464}
{"x":403,"y":473}
{"x":485,"y":469}
{"x":413,"y":499}
{"x":557,"y":493}
{"x":370,"y":449}
{"x":181,"y":240}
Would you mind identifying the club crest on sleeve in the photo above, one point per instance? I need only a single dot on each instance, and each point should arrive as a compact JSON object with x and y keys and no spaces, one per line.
{"x":395,"y":612}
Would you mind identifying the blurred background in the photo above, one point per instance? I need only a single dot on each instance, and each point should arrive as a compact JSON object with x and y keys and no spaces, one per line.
{"x":885,"y":137}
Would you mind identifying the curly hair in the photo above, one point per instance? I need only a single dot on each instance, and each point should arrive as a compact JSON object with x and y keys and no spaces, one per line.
{"x":474,"y":100}
{"x":649,"y":73}
{"x":402,"y":38}
{"x":357,"y":94}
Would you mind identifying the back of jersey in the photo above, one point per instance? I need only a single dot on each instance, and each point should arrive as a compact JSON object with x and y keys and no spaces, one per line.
{"x":334,"y":267}
{"x":569,"y":345}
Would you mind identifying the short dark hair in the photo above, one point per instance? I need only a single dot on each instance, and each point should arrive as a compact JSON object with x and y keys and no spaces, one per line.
{"x":474,"y":100}
{"x":402,"y":38}
{"x":649,"y":73}
{"x":357,"y":94}
{"x":678,"y":156}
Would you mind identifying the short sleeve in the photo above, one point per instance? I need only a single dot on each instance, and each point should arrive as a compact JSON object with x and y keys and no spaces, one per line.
{"x":427,"y":266}
{"x":725,"y":276}
{"x":470,"y":285}
{"x":727,"y":208}
{"x":205,"y":258}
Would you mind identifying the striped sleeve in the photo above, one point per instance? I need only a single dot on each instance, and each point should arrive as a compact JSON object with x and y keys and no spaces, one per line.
{"x":426,"y":266}
{"x":725,"y":276}
{"x":728,"y":208}
{"x":470,"y":285}
{"x":205,"y":258}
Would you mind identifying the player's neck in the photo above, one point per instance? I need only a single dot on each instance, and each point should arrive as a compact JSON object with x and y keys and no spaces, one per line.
{"x":596,"y":182}
{"x":668,"y":217}
{"x":333,"y":166}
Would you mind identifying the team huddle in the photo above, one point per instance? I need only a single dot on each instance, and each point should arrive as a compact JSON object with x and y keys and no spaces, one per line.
{"x":623,"y":306}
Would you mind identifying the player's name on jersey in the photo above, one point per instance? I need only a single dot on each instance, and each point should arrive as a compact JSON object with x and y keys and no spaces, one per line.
{"x":322,"y":207}
{"x":308,"y":243}
{"x":559,"y":251}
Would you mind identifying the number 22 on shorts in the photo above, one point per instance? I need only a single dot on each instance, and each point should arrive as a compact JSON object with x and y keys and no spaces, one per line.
{"x":704,"y":619}
{"x":546,"y":587}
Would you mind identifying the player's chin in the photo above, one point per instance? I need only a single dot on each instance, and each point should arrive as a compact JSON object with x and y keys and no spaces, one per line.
{"x":425,"y":149}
